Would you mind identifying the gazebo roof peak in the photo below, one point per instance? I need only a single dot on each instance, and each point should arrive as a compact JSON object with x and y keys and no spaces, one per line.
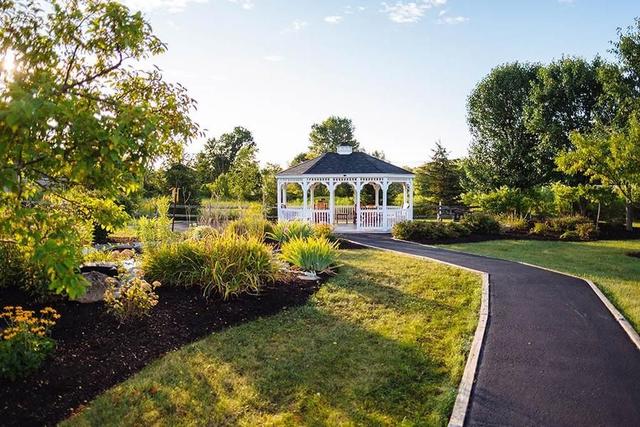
{"x":344,"y":161}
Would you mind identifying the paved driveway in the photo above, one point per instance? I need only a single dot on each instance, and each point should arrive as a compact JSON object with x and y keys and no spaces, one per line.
{"x":552,"y":355}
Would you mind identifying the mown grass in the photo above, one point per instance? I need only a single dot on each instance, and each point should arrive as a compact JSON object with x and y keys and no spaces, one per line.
{"x":604,"y":262}
{"x":382,"y":343}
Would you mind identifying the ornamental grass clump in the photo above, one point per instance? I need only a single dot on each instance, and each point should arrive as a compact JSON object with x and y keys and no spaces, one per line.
{"x":25,"y":340}
{"x":177,"y":264}
{"x":284,"y":231}
{"x":236,"y":265}
{"x":250,"y":226}
{"x":132,"y":300}
{"x":314,"y":254}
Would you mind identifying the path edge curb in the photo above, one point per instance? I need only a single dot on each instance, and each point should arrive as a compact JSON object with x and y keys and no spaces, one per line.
{"x":622,"y":321}
{"x":463,"y":397}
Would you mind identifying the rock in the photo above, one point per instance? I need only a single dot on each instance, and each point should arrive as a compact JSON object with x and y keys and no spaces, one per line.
{"x":108,"y":268}
{"x":98,"y":284}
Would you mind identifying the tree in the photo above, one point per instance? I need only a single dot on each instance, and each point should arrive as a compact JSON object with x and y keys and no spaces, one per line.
{"x":299,"y":158}
{"x":80,"y":120}
{"x":181,"y":176}
{"x":325,"y":137}
{"x":503,"y":150}
{"x":269,"y":186}
{"x":245,"y":181}
{"x":439,"y":179}
{"x":611,"y":156}
{"x":219,"y":154}
{"x":563,"y":99}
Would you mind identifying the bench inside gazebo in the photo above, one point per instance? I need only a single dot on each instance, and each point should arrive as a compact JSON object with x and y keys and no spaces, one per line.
{"x":358,"y":170}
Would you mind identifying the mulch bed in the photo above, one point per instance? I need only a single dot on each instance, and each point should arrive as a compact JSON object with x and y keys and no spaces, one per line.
{"x":94,"y":352}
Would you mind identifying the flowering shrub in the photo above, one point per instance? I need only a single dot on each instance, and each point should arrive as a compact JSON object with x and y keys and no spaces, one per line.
{"x":25,"y":340}
{"x":131,"y":300}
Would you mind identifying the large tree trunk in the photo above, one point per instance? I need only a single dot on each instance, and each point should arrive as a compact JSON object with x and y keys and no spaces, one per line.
{"x":629,"y":212}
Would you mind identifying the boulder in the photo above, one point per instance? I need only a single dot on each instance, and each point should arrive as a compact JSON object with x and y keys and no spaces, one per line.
{"x":98,"y":284}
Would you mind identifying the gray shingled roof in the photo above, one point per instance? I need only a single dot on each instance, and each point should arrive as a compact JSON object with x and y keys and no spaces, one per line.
{"x":335,"y":164}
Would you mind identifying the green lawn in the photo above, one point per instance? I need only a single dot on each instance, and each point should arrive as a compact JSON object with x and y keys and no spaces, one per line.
{"x":604,"y":262}
{"x":382,"y":343}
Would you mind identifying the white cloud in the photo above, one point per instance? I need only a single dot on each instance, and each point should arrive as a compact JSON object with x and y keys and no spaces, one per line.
{"x":335,"y":19}
{"x":403,"y":12}
{"x":245,"y":4}
{"x":444,"y":18}
{"x":566,"y":1}
{"x":296,"y":26}
{"x":171,"y":6}
{"x":273,"y":58}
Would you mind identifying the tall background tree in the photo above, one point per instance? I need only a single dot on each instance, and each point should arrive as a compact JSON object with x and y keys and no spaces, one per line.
{"x":80,"y":120}
{"x":563,"y":99}
{"x":503,"y":149}
{"x":325,"y":137}
{"x":218,"y":154}
{"x":439,"y":179}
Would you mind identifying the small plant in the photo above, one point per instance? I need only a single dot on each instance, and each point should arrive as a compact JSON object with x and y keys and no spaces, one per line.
{"x":202,"y":232}
{"x":514,"y":224}
{"x":540,"y":229}
{"x":586,"y":231}
{"x":250,"y":226}
{"x":25,"y":340}
{"x":323,"y":230}
{"x":570,"y":235}
{"x":427,"y":231}
{"x":155,"y":230}
{"x":131,"y":300}
{"x":562,"y":224}
{"x":481,"y":223}
{"x":287,"y":230}
{"x":315,"y":254}
{"x":177,"y":264}
{"x":237,"y":265}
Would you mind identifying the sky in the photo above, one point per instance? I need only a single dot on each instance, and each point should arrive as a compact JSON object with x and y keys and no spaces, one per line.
{"x":401,"y":70}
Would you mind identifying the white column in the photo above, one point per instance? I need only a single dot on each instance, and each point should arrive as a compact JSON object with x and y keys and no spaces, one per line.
{"x":404,"y":196}
{"x":332,"y":201}
{"x":410,"y":209}
{"x":385,"y":214}
{"x":311,"y":191}
{"x":305,"y":188}
{"x":376,"y":189}
{"x":279,"y":198}
{"x":284,"y":193}
{"x":358,"y":188}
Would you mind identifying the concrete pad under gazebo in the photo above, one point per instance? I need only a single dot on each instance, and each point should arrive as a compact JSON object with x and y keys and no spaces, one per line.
{"x":356,"y":169}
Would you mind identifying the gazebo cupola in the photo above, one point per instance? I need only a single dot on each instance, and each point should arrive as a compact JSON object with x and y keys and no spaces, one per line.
{"x":358,"y":170}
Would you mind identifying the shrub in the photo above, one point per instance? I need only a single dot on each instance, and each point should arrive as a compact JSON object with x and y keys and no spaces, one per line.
{"x":237,"y":265}
{"x":108,"y":256}
{"x":17,"y":270}
{"x":131,"y":300}
{"x":152,"y":231}
{"x":202,"y":232}
{"x":315,"y":254}
{"x":481,"y":223}
{"x":562,"y":224}
{"x":513,"y":224}
{"x":25,"y":340}
{"x":586,"y":231}
{"x":540,"y":229}
{"x":284,"y":231}
{"x":177,"y":264}
{"x":250,"y":226}
{"x":424,"y":231}
{"x":323,"y":230}
{"x":570,"y":235}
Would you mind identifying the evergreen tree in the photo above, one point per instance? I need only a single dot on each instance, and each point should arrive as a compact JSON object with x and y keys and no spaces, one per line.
{"x":439,"y":179}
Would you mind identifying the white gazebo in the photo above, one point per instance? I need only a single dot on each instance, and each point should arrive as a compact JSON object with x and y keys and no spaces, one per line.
{"x":357,"y":170}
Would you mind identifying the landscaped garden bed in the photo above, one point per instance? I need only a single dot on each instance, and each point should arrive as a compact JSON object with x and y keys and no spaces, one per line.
{"x":94,"y":351}
{"x":384,"y":342}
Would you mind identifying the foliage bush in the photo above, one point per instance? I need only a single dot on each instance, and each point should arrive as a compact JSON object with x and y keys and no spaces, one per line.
{"x":571,"y":227}
{"x":316,"y":254}
{"x":562,"y":224}
{"x":284,"y":231}
{"x":250,"y":226}
{"x":540,"y":229}
{"x":25,"y":340}
{"x":237,"y":265}
{"x":323,"y":230}
{"x":131,"y":300}
{"x":424,"y":231}
{"x":481,"y":223}
{"x":177,"y":263}
{"x":202,"y":232}
{"x":513,"y":224}
{"x":18,"y":270}
{"x":152,"y":231}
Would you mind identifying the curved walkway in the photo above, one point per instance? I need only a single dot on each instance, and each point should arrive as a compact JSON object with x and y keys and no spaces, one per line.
{"x":552,"y":353}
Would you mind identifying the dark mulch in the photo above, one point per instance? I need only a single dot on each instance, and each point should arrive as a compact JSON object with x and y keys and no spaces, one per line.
{"x":94,"y":352}
{"x":634,"y":254}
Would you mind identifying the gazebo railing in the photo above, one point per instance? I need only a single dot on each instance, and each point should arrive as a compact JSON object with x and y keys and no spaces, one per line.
{"x":321,"y":216}
{"x":371,"y":218}
{"x":291,"y":214}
